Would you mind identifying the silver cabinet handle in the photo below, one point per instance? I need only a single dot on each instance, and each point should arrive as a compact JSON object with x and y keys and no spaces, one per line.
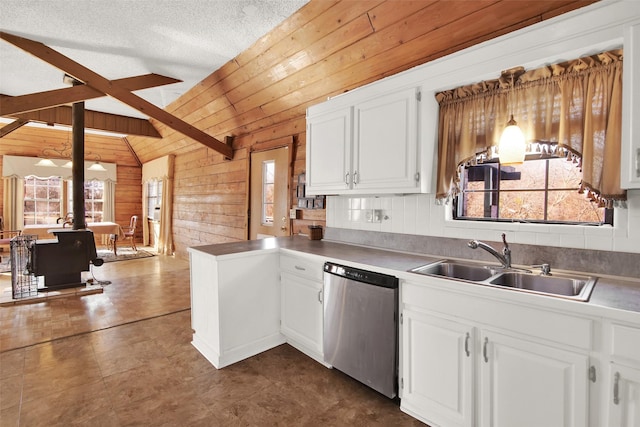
{"x":616,"y":388}
{"x":466,"y":344}
{"x":484,"y":350}
{"x":592,"y":373}
{"x":355,"y":177}
{"x":300,"y":268}
{"x":320,"y":296}
{"x":346,"y":179}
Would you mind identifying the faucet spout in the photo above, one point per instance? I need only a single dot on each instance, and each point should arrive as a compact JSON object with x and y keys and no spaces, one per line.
{"x":504,"y":257}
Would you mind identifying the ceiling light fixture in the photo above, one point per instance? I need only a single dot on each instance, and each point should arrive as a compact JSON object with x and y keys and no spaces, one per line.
{"x":46,"y":163}
{"x":96,"y":166}
{"x":512,"y":145}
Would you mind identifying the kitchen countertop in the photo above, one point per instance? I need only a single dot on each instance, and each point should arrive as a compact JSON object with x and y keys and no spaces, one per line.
{"x":621,"y":293}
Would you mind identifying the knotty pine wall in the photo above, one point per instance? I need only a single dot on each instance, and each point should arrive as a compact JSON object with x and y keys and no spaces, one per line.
{"x":326,"y":48}
{"x":31,"y":141}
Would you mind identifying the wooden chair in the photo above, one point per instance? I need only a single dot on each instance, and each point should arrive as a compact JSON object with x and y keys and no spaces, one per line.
{"x":66,"y":220}
{"x":130,"y":231}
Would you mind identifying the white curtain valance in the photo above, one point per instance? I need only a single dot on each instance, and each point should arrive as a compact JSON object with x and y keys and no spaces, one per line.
{"x":22,"y":166}
{"x":156,"y":170}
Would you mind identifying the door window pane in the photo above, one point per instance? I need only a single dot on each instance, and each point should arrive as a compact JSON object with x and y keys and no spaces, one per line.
{"x":268,"y":187}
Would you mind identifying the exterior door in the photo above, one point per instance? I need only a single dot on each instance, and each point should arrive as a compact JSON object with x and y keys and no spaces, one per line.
{"x":269,"y":194}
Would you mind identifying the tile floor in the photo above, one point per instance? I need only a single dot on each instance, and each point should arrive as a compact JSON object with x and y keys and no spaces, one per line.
{"x":124,"y":358}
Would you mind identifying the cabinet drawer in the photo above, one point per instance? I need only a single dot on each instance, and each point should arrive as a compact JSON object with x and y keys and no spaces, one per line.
{"x":304,"y":267}
{"x":625,"y":343}
{"x":532,"y":321}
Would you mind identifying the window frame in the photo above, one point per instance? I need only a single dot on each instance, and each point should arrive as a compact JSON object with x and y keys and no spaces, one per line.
{"x":36,"y":200}
{"x":458,"y":204}
{"x":89,"y":214}
{"x":154,"y":200}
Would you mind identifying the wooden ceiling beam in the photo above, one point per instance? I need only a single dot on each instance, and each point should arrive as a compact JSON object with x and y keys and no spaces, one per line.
{"x":93,"y":120}
{"x":53,"y":98}
{"x":10,"y":127}
{"x":93,"y":79}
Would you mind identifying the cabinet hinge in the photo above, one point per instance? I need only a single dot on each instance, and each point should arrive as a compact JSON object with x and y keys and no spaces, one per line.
{"x":417,"y":177}
{"x":402,"y":383}
{"x":419,"y":96}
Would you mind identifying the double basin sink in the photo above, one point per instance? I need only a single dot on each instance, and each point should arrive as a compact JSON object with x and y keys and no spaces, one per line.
{"x":573,"y":287}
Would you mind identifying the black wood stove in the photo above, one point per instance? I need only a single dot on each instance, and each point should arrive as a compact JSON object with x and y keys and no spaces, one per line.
{"x":62,"y":261}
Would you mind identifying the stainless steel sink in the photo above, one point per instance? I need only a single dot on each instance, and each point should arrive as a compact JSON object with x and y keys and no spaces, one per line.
{"x":559,"y":285}
{"x":456,"y":270}
{"x":574,"y":287}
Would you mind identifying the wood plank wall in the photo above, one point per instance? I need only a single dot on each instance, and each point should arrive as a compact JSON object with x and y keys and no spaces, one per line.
{"x":32,"y":141}
{"x":326,"y":48}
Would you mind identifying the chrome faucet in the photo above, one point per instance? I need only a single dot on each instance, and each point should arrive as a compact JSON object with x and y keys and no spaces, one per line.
{"x":504,"y":257}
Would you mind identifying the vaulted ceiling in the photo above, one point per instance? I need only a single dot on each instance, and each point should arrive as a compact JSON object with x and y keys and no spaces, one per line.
{"x":244,"y":69}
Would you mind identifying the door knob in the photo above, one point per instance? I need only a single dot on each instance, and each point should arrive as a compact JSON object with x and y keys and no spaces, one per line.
{"x":284,"y":223}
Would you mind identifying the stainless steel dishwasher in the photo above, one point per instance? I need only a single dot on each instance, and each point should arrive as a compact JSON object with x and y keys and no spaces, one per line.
{"x":361,"y":325}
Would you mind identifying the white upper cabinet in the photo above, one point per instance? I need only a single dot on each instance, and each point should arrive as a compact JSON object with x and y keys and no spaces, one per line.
{"x":365,"y":145}
{"x":329,"y":152}
{"x":385,"y":143}
{"x":630,"y":159}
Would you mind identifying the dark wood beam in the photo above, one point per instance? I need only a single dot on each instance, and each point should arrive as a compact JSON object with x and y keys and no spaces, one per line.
{"x":93,"y":79}
{"x":93,"y":120}
{"x":52,"y":98}
{"x":8,"y":128}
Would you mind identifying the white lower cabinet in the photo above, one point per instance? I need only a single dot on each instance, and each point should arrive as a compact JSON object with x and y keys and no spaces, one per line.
{"x":437,"y":365}
{"x":235,"y":305}
{"x":467,"y":361}
{"x":528,"y":384}
{"x":301,"y":303}
{"x":624,"y":396}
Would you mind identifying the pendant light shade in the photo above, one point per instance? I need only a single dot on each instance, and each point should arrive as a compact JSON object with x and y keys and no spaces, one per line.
{"x":96,"y":166}
{"x":46,"y":162}
{"x":511,"y":148}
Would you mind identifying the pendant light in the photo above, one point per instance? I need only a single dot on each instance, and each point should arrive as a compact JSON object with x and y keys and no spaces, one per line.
{"x":512,"y":146}
{"x":96,"y":166}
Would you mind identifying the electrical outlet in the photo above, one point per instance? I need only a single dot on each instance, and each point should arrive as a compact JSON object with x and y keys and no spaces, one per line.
{"x":293,"y":214}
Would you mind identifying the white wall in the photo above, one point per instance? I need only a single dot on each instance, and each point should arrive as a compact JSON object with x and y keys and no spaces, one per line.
{"x":419,"y":215}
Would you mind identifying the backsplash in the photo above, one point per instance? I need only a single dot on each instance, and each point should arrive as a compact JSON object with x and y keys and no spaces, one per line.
{"x":392,"y":218}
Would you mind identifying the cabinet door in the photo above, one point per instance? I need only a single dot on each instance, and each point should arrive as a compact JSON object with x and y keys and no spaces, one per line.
{"x":329,"y":152}
{"x":624,"y":397}
{"x":302,"y":311}
{"x":386,"y":143}
{"x":630,"y":159}
{"x":531,"y":385}
{"x":437,"y":368}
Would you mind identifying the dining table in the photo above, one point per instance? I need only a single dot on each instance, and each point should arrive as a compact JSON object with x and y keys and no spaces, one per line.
{"x":111,"y":230}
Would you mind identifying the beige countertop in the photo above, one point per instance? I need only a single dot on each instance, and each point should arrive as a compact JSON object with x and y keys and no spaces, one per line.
{"x":621,"y":293}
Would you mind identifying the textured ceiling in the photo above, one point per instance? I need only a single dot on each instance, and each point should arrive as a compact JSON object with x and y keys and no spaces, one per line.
{"x":183,"y":39}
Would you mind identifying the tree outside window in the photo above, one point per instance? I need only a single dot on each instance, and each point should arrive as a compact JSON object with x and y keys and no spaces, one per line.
{"x":539,"y":190}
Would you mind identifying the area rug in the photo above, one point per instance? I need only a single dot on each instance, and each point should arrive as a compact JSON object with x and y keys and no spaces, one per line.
{"x":124,"y":254}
